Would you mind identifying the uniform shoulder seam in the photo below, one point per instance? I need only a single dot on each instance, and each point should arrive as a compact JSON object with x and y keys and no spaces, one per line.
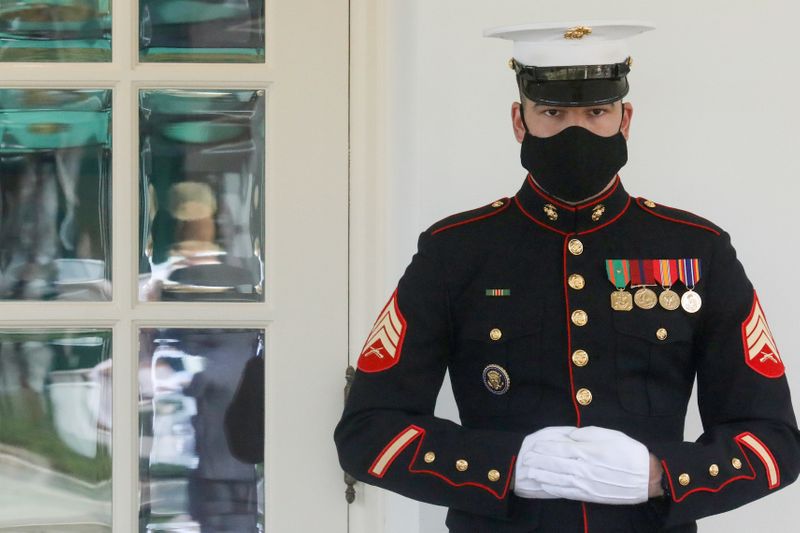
{"x":672,"y":213}
{"x":472,"y":215}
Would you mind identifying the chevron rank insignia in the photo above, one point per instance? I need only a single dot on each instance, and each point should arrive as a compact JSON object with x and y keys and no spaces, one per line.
{"x":760,"y":351}
{"x":384,"y":343}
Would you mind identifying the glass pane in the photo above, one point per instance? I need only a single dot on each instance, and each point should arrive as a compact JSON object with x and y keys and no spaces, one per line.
{"x":221,"y":31}
{"x":55,"y":430}
{"x":201,"y":431}
{"x":201,"y":180}
{"x":55,"y":30}
{"x":55,"y":194}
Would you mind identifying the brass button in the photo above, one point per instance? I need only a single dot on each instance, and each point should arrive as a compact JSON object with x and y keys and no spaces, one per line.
{"x":575,"y":247}
{"x":577,"y":282}
{"x":684,"y":479}
{"x":661,"y":334}
{"x":498,"y":203}
{"x":737,"y":464}
{"x":430,"y":457}
{"x":495,"y":334}
{"x":584,"y":396}
{"x":579,"y":317}
{"x":461,"y":465}
{"x":494,"y":475}
{"x":580,"y":357}
{"x":511,"y":63}
{"x":551,"y":211}
{"x":597,"y":212}
{"x":650,"y":203}
{"x":713,"y":470}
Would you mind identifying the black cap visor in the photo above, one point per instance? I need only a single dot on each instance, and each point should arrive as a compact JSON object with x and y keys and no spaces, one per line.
{"x":575,"y":92}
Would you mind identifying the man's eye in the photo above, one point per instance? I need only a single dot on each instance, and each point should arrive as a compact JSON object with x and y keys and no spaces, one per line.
{"x":551,"y":112}
{"x":597,"y":112}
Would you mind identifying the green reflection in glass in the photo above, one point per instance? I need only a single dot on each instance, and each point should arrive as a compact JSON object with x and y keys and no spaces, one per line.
{"x":55,"y":30}
{"x":55,"y":194}
{"x":215,"y":31}
{"x":55,"y":430}
{"x":201,"y":180}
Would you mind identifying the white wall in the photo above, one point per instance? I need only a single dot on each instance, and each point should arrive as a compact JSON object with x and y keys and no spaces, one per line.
{"x":715,"y":131}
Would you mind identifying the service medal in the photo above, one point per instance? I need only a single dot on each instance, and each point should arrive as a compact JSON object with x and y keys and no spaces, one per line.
{"x":643,"y":277}
{"x":665,"y":271}
{"x":619,"y":274}
{"x":621,"y":300}
{"x":645,"y":298}
{"x":689,"y":273}
{"x":691,"y":301}
{"x":669,"y":300}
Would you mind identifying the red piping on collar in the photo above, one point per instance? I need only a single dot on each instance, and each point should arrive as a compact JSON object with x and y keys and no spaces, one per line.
{"x":604,"y":224}
{"x":538,"y":190}
{"x":607,"y":222}
{"x":519,"y":205}
{"x":505,"y":205}
{"x":639,"y":202}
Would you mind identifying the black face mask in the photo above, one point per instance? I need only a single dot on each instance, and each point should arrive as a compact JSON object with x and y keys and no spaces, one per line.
{"x":574,"y":164}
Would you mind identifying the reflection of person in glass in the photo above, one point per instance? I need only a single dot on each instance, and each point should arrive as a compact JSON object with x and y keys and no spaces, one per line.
{"x":223,"y":493}
{"x":244,"y":420}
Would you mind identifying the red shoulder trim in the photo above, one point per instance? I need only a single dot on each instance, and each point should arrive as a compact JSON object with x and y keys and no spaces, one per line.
{"x":506,"y":203}
{"x":640,"y":203}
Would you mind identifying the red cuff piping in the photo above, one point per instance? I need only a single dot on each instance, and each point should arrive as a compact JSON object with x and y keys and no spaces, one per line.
{"x":708,"y":489}
{"x":499,"y":496}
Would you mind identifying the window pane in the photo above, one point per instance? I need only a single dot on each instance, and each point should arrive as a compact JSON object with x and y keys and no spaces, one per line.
{"x":201,"y":432}
{"x":229,"y":31}
{"x":55,"y":430}
{"x":55,"y":30}
{"x":201,"y":181}
{"x":55,"y":194}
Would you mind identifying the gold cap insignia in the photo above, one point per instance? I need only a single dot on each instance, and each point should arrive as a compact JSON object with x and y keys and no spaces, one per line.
{"x":578,"y":32}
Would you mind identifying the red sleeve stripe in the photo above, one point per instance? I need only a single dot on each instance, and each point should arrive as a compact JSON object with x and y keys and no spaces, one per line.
{"x":393,"y":449}
{"x":763,"y":453}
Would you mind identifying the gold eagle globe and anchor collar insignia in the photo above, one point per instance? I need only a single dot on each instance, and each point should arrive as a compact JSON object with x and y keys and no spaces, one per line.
{"x":496,"y":379}
{"x":562,"y":218}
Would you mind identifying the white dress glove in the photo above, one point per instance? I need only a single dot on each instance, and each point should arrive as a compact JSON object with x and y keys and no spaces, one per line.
{"x":525,"y":485}
{"x":591,"y":464}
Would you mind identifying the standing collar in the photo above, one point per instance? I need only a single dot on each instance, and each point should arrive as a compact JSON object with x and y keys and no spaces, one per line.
{"x":563,"y":218}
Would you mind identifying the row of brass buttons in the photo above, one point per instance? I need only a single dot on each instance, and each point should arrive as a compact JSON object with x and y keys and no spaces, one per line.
{"x":462,"y":465}
{"x":713,"y":470}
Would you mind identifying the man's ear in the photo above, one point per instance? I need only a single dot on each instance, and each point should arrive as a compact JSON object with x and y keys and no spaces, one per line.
{"x":516,"y":121}
{"x":625,"y":128}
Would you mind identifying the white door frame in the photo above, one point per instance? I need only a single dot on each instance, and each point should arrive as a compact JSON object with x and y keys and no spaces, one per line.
{"x":305,"y":312}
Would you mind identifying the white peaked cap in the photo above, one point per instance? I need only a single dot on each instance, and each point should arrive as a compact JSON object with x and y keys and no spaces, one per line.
{"x":555,"y":44}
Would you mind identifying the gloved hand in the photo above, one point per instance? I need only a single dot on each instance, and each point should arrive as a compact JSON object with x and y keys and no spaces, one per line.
{"x":524,"y":484}
{"x":591,"y":464}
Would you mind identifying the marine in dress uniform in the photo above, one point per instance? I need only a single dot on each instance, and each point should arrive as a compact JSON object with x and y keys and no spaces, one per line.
{"x":573,"y":332}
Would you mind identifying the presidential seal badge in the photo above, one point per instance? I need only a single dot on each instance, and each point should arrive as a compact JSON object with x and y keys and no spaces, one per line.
{"x":496,"y":379}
